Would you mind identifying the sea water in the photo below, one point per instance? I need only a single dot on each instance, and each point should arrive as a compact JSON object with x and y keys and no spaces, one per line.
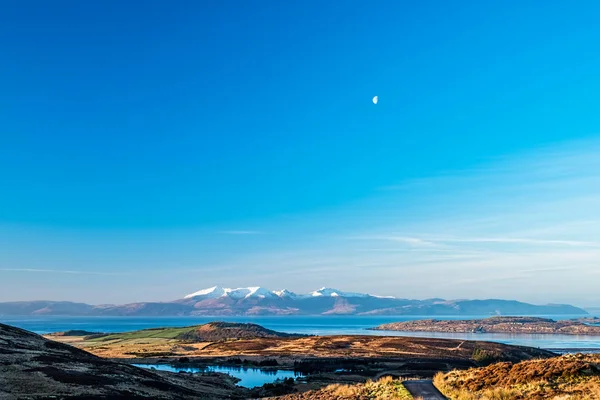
{"x":313,"y":325}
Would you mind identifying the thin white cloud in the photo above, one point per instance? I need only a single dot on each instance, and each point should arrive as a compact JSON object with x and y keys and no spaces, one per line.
{"x":444,"y":241}
{"x":412,"y":241}
{"x":59,"y":271}
{"x":240,"y":232}
{"x":524,"y":241}
{"x":408,"y":240}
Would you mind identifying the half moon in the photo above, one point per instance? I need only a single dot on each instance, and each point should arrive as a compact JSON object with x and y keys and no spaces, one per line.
{"x":375,"y":99}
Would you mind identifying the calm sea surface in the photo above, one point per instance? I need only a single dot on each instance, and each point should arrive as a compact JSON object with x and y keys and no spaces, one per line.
{"x":315,"y":325}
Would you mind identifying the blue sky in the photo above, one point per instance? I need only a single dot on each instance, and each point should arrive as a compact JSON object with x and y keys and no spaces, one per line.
{"x":150,"y":149}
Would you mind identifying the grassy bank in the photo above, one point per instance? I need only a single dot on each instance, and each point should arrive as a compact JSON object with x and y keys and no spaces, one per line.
{"x":573,"y":377}
{"x":384,"y":389}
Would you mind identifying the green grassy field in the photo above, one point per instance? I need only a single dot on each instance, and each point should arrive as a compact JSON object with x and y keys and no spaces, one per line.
{"x":155,"y":333}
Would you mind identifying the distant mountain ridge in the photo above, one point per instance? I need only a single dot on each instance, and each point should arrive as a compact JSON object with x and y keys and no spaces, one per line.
{"x":256,"y":301}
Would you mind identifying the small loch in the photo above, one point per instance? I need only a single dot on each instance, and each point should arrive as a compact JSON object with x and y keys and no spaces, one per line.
{"x":249,"y":377}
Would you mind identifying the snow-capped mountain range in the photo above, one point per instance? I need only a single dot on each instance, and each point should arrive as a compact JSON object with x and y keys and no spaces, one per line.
{"x":218,"y":301}
{"x":260,"y":292}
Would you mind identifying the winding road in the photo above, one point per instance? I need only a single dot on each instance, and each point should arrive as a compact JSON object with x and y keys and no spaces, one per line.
{"x":423,"y":389}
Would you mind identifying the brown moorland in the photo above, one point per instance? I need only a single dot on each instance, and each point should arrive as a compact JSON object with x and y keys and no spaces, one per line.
{"x":575,"y":377}
{"x":360,"y":357}
{"x":32,"y":367}
{"x":384,"y":389}
{"x":210,"y":341}
{"x":319,"y":387}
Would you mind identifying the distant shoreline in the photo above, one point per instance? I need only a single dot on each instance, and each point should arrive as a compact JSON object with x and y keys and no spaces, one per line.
{"x":505,"y":325}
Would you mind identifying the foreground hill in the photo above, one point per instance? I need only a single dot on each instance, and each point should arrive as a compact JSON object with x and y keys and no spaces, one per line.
{"x":529,"y":325}
{"x":217,"y":301}
{"x":211,"y":332}
{"x":575,"y":377}
{"x":33,"y":367}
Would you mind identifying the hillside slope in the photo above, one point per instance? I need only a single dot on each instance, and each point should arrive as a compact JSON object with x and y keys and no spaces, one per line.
{"x":33,"y":367}
{"x":574,"y":377}
{"x":210,"y":332}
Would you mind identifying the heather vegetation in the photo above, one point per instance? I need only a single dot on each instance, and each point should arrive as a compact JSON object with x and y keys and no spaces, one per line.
{"x":427,"y":355}
{"x":384,"y":389}
{"x":485,"y":357}
{"x":575,"y":377}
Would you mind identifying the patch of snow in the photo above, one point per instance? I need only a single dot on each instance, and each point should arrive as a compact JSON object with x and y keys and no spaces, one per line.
{"x":260,"y":292}
{"x":285,"y":293}
{"x":212,"y":292}
{"x":237,"y":293}
{"x":329,"y":292}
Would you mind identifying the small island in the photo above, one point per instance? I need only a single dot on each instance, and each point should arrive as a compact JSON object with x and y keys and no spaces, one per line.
{"x":519,"y":325}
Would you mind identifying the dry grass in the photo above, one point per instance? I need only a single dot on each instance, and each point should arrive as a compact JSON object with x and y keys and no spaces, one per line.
{"x":573,"y":377}
{"x":384,"y":389}
{"x":142,"y":343}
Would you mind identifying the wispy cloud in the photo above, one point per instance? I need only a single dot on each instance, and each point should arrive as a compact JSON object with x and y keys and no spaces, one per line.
{"x":240,"y":232}
{"x":523,"y":241}
{"x":412,"y":241}
{"x":445,"y":242}
{"x":407,"y":240}
{"x":60,"y":271}
{"x":439,"y":241}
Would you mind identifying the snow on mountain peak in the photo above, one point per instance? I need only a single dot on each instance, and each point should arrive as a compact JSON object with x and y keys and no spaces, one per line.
{"x":237,"y":293}
{"x":329,"y":292}
{"x":284,"y":293}
{"x":212,"y":292}
{"x":260,"y":292}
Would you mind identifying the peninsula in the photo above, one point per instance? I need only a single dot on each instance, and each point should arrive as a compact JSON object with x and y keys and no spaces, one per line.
{"x":518,"y":325}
